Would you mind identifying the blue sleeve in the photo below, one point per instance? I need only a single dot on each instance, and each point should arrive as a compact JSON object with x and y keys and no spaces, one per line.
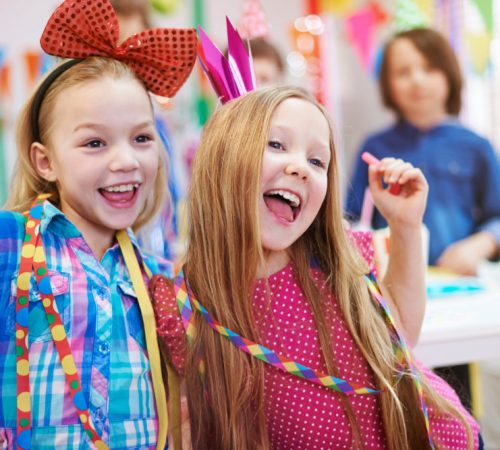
{"x":158,"y":265}
{"x":11,"y":239}
{"x":356,"y":188}
{"x":489,"y":192}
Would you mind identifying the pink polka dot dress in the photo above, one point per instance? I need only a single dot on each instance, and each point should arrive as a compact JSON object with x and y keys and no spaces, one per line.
{"x":300,"y":414}
{"x":303,"y":415}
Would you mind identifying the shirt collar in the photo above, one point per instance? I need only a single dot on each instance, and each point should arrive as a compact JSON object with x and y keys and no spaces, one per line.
{"x":116,"y":247}
{"x":54,"y":221}
{"x":412,"y":130}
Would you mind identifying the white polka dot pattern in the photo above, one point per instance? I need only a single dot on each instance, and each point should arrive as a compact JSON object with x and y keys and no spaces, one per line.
{"x":302,"y":415}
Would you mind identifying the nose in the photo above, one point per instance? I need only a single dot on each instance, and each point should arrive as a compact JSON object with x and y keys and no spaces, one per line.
{"x":298,"y":168}
{"x":418,"y":76}
{"x":124,"y":159}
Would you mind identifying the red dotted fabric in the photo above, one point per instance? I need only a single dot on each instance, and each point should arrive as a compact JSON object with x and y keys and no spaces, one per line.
{"x":162,"y":57}
{"x":302,"y":415}
{"x":363,"y":242}
{"x":168,"y":321}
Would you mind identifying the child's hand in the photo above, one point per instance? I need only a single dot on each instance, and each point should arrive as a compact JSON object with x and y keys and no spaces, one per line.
{"x":408,"y":207}
{"x":464,"y":256}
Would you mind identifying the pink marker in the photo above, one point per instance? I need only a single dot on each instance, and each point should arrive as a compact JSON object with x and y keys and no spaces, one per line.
{"x":369,"y":159}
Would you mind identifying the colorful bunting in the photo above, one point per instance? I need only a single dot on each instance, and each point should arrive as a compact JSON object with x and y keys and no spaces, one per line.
{"x":338,"y":6}
{"x":478,"y":50}
{"x":485,"y":8}
{"x":427,"y":9}
{"x":408,"y":15}
{"x":33,"y":62}
{"x":361,"y":27}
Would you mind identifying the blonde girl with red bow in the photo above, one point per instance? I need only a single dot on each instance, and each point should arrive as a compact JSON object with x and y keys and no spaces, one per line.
{"x":79,"y":360}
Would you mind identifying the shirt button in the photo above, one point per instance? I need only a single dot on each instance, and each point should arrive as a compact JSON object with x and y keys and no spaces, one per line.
{"x":103,"y":348}
{"x":98,"y":415}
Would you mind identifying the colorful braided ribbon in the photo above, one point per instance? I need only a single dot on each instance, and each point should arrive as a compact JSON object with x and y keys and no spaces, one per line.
{"x":402,"y":352}
{"x":256,"y":350}
{"x":33,"y":260}
{"x":186,"y":300}
{"x":33,"y":257}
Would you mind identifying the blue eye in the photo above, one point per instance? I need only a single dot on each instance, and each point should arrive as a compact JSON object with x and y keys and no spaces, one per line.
{"x":276,"y":144}
{"x":317,"y":162}
{"x":94,"y":143}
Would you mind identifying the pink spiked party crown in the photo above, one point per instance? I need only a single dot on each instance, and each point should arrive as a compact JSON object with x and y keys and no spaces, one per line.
{"x":232,"y":76}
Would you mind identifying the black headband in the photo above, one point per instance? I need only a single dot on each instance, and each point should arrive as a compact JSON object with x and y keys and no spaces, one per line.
{"x":42,"y":90}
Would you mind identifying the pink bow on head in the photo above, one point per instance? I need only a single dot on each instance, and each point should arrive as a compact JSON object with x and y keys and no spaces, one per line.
{"x":162,"y":57}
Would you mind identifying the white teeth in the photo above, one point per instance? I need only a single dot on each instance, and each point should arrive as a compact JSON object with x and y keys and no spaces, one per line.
{"x":292,"y":198}
{"x":121,"y":188}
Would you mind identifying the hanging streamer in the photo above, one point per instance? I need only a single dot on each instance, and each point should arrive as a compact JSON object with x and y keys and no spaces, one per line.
{"x":203,"y":103}
{"x":5,"y":91}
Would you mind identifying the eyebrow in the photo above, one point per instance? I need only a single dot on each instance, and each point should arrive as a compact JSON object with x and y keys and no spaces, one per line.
{"x":97,"y":126}
{"x":288,"y":129}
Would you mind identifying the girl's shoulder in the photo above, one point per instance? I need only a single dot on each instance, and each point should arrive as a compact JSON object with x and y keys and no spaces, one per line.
{"x":11,"y":219}
{"x":11,"y":240}
{"x":158,"y":265}
{"x":11,"y":230}
{"x":362,"y":240}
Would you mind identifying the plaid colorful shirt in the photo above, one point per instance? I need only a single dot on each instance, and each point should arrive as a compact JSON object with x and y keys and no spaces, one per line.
{"x":100,"y":312}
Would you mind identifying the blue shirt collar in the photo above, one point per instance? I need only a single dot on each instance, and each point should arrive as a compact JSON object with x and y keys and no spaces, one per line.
{"x":410,"y":129}
{"x":54,"y":220}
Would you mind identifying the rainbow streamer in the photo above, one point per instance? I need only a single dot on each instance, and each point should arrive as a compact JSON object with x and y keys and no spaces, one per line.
{"x":401,"y":349}
{"x":259,"y":351}
{"x":186,"y":300}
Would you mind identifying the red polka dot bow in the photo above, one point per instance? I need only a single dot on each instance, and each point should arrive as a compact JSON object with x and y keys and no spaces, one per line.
{"x":161,"y":57}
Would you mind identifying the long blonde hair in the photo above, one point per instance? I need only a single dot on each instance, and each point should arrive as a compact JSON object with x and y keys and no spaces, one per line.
{"x":224,"y":251}
{"x":26,"y":182}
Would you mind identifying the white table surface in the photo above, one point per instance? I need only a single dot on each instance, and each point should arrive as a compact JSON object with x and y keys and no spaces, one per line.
{"x":463,"y":328}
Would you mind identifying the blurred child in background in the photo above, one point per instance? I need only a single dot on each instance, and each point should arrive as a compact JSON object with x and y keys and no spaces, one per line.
{"x":421,"y":82}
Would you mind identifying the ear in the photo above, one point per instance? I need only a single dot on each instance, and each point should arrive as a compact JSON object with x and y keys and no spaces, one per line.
{"x":41,"y":161}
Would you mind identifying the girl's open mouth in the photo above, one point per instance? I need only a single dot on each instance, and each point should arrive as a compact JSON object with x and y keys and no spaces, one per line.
{"x":283,"y":204}
{"x":122,"y":193}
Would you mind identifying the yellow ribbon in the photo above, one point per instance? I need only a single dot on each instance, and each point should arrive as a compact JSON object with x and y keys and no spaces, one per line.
{"x":148,"y":320}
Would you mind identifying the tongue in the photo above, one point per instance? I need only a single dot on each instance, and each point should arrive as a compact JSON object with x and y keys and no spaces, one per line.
{"x":118,"y":197}
{"x":279,"y":207}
